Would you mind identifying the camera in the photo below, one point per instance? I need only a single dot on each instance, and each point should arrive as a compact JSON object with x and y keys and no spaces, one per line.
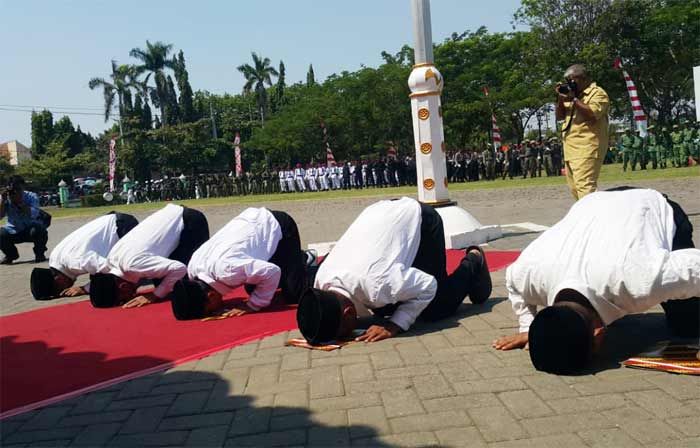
{"x":565,"y":89}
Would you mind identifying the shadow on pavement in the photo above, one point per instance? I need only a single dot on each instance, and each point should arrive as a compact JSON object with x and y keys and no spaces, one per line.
{"x":180,"y":407}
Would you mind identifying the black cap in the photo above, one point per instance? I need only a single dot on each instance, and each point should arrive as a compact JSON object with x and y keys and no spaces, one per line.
{"x":41,"y":283}
{"x":103,"y":291}
{"x":560,"y":340}
{"x":189,"y":299}
{"x":319,"y":315}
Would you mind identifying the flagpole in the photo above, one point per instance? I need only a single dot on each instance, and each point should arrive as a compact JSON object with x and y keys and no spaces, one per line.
{"x":426,"y":83}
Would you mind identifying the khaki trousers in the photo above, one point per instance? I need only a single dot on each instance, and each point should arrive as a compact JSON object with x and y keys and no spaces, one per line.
{"x":582,"y":176}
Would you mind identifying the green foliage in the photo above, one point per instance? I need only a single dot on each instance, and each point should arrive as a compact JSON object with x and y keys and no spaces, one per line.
{"x":257,"y":76}
{"x":42,"y":131}
{"x":310,"y":78}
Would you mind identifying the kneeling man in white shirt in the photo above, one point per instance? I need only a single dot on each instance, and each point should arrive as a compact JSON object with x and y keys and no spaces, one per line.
{"x":84,"y":251}
{"x":260,"y":249}
{"x":157,"y":249}
{"x":390,"y":262}
{"x":615,"y":253}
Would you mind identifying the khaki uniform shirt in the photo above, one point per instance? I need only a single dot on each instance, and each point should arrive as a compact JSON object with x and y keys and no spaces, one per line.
{"x":586,"y":139}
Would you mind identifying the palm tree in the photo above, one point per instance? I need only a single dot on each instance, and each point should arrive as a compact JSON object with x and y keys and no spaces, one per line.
{"x":154,"y":60}
{"x":256,"y":76}
{"x":123,"y":78}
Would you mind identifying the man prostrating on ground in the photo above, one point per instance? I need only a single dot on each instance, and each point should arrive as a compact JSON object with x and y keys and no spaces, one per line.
{"x":157,"y":249}
{"x":82,"y":252}
{"x":615,"y":253}
{"x":390,"y":262}
{"x":260,"y":249}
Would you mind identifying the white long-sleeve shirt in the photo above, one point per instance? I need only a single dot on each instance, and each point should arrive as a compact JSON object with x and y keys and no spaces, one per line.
{"x":371,"y":263}
{"x":144,"y":251}
{"x":238,"y":254}
{"x":85,"y":250}
{"x":612,"y":247}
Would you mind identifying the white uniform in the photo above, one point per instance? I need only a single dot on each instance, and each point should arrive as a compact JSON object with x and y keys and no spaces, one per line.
{"x":283,"y":182}
{"x":290,"y":181}
{"x":299,"y":174}
{"x":238,"y":254}
{"x":311,"y":178}
{"x":143,"y":252}
{"x":612,"y":247}
{"x":323,"y":177}
{"x":85,"y":250}
{"x":370,"y":264}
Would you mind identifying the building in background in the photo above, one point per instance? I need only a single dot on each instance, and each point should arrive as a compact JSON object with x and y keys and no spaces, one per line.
{"x":15,"y":152}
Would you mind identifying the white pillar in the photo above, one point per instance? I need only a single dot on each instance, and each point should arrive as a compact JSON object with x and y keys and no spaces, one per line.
{"x":426,"y":83}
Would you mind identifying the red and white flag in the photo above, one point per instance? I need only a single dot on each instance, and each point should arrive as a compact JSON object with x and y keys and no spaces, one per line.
{"x":239,"y":163}
{"x":640,"y":117}
{"x":495,"y":130}
{"x":391,"y":152}
{"x":112,"y":162}
{"x":330,"y":160}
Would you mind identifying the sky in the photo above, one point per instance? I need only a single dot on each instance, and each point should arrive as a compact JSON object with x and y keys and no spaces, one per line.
{"x":51,"y":48}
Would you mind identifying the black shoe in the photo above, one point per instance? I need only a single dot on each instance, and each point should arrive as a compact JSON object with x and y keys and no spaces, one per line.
{"x":481,"y":288}
{"x":7,"y":261}
{"x":40,"y":259}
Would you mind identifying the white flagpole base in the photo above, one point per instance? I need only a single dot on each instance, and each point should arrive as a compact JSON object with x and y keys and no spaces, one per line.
{"x":463,"y":230}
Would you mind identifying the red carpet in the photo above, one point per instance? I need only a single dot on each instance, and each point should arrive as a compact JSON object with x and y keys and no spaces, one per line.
{"x":62,"y":351}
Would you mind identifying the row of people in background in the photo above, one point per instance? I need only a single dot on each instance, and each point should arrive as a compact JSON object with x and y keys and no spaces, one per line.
{"x":381,"y":173}
{"x":531,"y":158}
{"x":660,"y":148}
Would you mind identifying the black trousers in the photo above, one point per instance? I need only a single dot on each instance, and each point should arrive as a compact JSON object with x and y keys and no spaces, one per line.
{"x":195,"y":232}
{"x":290,"y":259}
{"x":125,"y":223}
{"x":682,"y":316}
{"x":453,"y":288}
{"x":36,"y":233}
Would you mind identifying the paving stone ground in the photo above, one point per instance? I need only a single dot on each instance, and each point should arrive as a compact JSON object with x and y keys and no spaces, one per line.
{"x":438,"y":385}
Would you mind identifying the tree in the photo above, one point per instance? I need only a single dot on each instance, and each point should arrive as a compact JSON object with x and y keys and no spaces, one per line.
{"x":278,"y":98}
{"x":183,"y":84}
{"x":42,"y":131}
{"x":310,"y":78}
{"x":154,"y":60}
{"x":123,"y":78}
{"x":257,"y":76}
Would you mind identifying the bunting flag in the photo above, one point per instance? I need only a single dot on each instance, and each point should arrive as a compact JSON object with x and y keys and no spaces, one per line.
{"x":239,"y":164}
{"x":640,"y":118}
{"x":391,"y":152}
{"x":330,"y":160}
{"x":112,"y":162}
{"x":495,"y":130}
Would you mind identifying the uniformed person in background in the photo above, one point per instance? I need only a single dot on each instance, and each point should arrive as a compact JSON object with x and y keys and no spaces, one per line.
{"x":663,"y":141}
{"x":638,"y":151}
{"x":688,"y":143}
{"x":652,"y":145}
{"x":676,"y":143}
{"x":626,"y":149}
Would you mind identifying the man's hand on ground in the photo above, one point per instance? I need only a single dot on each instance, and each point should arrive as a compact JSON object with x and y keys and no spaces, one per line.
{"x":510,"y":342}
{"x":75,"y":291}
{"x":139,"y":301}
{"x":238,"y":309}
{"x":378,"y":332}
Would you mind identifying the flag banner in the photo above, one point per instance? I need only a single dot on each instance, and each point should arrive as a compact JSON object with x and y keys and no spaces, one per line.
{"x":495,"y":132}
{"x":330,"y":160}
{"x":640,"y":118}
{"x":391,"y":152}
{"x":239,"y":163}
{"x":112,"y":162}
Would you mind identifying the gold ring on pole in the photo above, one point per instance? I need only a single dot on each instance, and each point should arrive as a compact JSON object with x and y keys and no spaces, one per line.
{"x":424,"y":64}
{"x":423,"y":113}
{"x":428,"y":184}
{"x":424,"y":93}
{"x":425,"y":148}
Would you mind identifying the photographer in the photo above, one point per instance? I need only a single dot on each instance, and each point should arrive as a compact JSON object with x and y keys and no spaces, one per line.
{"x":583,"y":106}
{"x":26,"y":222}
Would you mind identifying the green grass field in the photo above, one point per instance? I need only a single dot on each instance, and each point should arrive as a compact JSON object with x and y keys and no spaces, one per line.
{"x":609,"y":173}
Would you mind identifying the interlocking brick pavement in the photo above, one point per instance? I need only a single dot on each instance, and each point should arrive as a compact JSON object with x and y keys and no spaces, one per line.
{"x":439,"y":384}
